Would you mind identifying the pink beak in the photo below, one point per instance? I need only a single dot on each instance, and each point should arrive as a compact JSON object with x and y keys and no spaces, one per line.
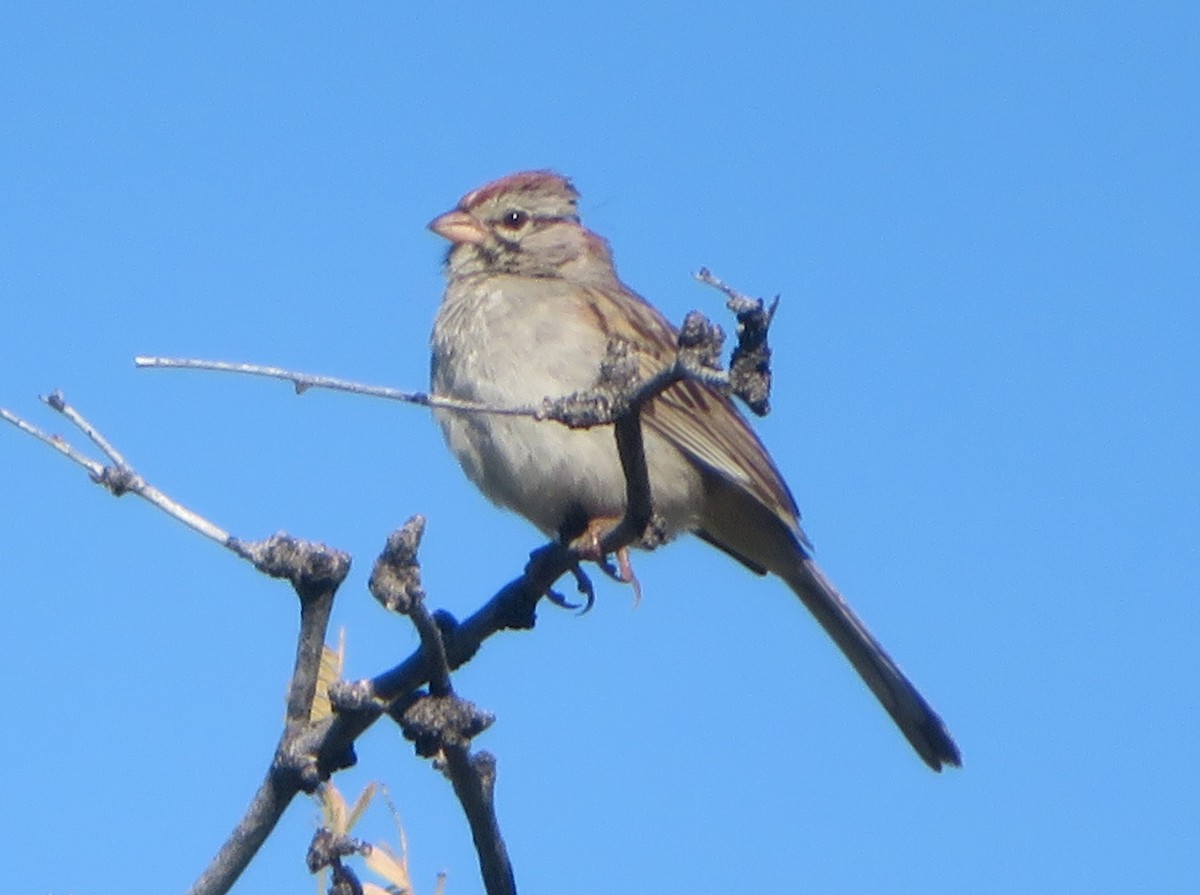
{"x":458,"y":227}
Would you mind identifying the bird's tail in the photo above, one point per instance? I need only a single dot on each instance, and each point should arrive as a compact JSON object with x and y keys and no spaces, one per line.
{"x":767,"y":538}
{"x":919,"y":723}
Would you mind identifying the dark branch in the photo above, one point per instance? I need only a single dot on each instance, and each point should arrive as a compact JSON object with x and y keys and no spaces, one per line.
{"x":309,"y":751}
{"x":750,"y":366}
{"x":749,"y":375}
{"x":617,"y":399}
{"x":442,"y":724}
{"x":315,"y":572}
{"x":327,"y":850}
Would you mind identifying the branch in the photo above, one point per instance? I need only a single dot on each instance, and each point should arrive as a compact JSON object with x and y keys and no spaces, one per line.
{"x":617,"y":398}
{"x":315,"y":572}
{"x":118,"y":476}
{"x":302,"y":382}
{"x":750,"y":366}
{"x":309,"y":752}
{"x":441,"y":723}
{"x":749,"y":375}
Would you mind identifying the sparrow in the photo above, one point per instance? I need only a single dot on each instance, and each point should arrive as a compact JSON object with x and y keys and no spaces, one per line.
{"x":532,"y":301}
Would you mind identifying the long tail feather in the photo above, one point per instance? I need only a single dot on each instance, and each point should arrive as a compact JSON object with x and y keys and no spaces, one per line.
{"x":916,"y":719}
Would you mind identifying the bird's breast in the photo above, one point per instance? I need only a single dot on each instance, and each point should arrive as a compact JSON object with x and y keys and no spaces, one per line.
{"x":514,"y":341}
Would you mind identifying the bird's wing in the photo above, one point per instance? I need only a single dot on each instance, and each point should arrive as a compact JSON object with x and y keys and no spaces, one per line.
{"x":696,"y":418}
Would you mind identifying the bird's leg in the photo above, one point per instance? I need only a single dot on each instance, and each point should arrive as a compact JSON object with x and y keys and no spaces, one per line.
{"x":587,"y":545}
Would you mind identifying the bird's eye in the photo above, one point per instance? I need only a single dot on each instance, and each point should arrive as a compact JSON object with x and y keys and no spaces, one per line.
{"x":514,"y":220}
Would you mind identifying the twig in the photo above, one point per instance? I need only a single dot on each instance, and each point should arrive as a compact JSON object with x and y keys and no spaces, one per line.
{"x":514,"y":605}
{"x":699,"y":341}
{"x":279,"y":556}
{"x":119,"y":477}
{"x":315,"y":572}
{"x":56,"y":400}
{"x":750,"y":364}
{"x":309,"y":752}
{"x":95,"y":469}
{"x":442,"y":724}
{"x":304,"y":381}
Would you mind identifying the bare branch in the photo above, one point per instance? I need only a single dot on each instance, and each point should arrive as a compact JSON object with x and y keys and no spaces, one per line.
{"x":119,"y":478}
{"x":302,"y":382}
{"x":279,"y":556}
{"x":441,"y":723}
{"x":750,"y":365}
{"x":308,"y":752}
{"x":315,"y":572}
{"x":699,"y":342}
{"x":95,"y":469}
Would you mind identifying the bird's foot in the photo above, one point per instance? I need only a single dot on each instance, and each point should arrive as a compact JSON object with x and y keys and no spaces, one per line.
{"x":587,"y":545}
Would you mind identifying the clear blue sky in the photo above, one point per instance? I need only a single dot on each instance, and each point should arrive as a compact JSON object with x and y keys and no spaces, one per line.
{"x":985,"y":224}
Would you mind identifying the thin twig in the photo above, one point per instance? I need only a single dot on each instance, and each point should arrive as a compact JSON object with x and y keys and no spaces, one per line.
{"x":315,"y":572}
{"x":56,"y":400}
{"x":706,"y":276}
{"x":120,"y":478}
{"x":304,"y":381}
{"x":705,"y":371}
{"x":566,"y":410}
{"x":749,"y":375}
{"x":94,"y":468}
{"x":309,"y":752}
{"x":442,"y":724}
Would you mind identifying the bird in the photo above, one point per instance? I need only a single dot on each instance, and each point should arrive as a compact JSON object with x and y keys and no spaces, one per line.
{"x":531,"y":304}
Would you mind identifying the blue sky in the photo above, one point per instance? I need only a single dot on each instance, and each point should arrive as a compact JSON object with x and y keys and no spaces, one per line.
{"x":985,"y":224}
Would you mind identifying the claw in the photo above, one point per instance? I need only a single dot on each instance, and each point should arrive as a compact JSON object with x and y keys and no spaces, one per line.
{"x":627,"y":576}
{"x":562,"y":602}
{"x":587,"y":545}
{"x":584,"y":584}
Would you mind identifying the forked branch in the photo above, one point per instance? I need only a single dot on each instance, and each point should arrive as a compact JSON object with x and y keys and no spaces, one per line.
{"x":309,"y":750}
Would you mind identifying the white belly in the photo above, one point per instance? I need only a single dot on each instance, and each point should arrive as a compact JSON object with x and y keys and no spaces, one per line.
{"x":489,"y":349}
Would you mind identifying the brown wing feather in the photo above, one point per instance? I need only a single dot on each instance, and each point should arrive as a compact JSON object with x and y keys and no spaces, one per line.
{"x":696,"y":418}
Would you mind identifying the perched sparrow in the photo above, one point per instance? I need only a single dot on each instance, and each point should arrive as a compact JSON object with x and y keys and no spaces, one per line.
{"x":531,"y":304}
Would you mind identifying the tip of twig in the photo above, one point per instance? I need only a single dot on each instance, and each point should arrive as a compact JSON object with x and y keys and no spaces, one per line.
{"x":396,"y":579}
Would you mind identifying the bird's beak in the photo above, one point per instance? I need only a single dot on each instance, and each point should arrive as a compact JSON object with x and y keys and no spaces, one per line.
{"x":458,"y":227}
